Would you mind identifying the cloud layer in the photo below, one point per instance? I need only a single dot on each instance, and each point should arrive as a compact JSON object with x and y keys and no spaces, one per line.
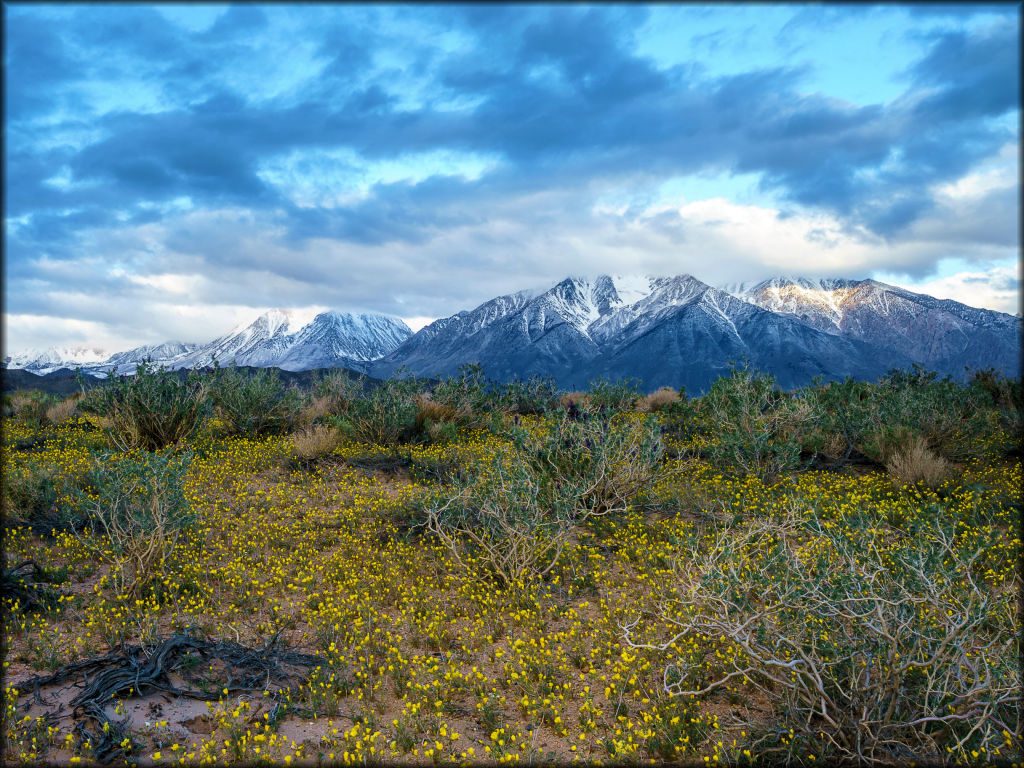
{"x":418,"y":161}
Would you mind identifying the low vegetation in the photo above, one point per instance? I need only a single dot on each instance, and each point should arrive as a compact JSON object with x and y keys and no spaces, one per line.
{"x":217,"y":568}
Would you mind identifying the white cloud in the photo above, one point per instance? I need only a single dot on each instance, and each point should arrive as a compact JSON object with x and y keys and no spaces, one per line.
{"x":997,"y":288}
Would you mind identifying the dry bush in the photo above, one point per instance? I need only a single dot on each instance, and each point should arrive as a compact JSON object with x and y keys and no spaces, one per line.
{"x":319,"y":408}
{"x":871,"y":654}
{"x":655,"y":401}
{"x":435,"y":412}
{"x":835,"y":446}
{"x":914,"y":463}
{"x":580,"y":399}
{"x":63,"y":411}
{"x":315,"y":442}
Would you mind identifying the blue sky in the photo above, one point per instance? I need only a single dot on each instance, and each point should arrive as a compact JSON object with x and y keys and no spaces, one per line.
{"x":171,"y":171}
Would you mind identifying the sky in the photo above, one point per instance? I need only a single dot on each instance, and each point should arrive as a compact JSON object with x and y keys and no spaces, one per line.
{"x":171,"y":171}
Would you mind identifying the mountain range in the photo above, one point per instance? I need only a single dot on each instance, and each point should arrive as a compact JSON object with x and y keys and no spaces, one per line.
{"x":276,"y":338}
{"x":664,"y":331}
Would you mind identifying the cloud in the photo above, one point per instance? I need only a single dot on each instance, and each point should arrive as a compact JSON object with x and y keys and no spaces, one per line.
{"x":997,"y":288}
{"x":418,"y":162}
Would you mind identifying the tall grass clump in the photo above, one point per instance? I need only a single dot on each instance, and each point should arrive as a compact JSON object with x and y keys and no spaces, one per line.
{"x":151,"y":410}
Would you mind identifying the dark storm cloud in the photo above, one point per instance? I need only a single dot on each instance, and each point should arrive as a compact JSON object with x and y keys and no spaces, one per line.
{"x":557,"y":94}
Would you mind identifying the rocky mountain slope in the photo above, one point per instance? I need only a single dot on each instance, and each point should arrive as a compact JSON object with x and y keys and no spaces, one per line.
{"x":680,"y":331}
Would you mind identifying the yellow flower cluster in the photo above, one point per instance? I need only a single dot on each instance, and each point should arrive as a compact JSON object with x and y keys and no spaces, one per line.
{"x":421,"y":661}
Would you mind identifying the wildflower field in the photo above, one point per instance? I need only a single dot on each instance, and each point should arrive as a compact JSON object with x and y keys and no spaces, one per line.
{"x":217,"y":569}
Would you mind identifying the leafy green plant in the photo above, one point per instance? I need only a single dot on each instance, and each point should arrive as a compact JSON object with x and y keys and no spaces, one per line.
{"x":137,"y":512}
{"x":256,"y":403}
{"x":151,"y":410}
{"x":752,"y":426}
{"x":535,"y":396}
{"x":384,"y":417}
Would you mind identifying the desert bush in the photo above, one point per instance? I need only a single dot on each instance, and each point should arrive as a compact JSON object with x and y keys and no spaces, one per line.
{"x":515,"y":513}
{"x":993,"y":390}
{"x":656,"y":401}
{"x":914,"y":463}
{"x":137,"y":511}
{"x":467,"y":394}
{"x":257,"y":403}
{"x":436,"y":421}
{"x":337,"y":391}
{"x":316,"y":411}
{"x":384,"y":417}
{"x":574,"y":402}
{"x":752,"y":427}
{"x":607,"y":460}
{"x":315,"y":441}
{"x":872,"y":654}
{"x":942,"y":412}
{"x":535,"y":396}
{"x":63,"y":411}
{"x":502,"y":524}
{"x":32,"y":407}
{"x":30,"y":494}
{"x":613,"y":396}
{"x":151,"y":410}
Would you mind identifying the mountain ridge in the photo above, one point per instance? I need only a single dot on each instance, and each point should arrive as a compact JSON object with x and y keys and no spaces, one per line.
{"x":674,"y":331}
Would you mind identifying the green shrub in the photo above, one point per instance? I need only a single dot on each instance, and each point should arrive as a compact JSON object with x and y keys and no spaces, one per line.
{"x":257,"y":403}
{"x":30,"y":496}
{"x":514,"y":514}
{"x":752,"y":427}
{"x":338,"y":390}
{"x":151,"y":410}
{"x":467,"y":394}
{"x":608,"y":460}
{"x":605,"y":396}
{"x":137,"y":511}
{"x":1006,"y":397}
{"x":501,"y":523}
{"x":535,"y":396}
{"x":384,"y":417}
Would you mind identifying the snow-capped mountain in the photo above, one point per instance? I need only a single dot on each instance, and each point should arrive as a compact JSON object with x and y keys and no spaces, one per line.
{"x":336,"y":336}
{"x":940,"y":334}
{"x":277,"y":338}
{"x":280,"y":339}
{"x":680,"y":331}
{"x":55,"y":358}
{"x":674,"y":331}
{"x":167,"y":352}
